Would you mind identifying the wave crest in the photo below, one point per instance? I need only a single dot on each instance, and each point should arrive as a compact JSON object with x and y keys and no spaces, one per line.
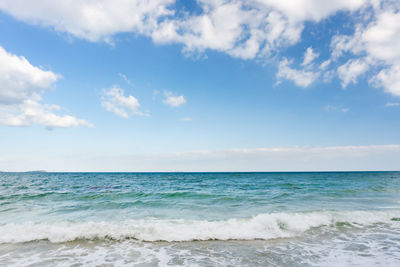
{"x":262,"y":226}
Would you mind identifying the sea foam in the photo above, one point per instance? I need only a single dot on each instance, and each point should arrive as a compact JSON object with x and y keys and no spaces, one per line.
{"x":262,"y":226}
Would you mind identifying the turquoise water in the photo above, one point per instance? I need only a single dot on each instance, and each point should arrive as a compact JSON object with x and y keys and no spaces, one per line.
{"x":200,"y":219}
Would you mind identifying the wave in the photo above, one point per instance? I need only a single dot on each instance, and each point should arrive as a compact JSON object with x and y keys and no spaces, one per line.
{"x":262,"y":226}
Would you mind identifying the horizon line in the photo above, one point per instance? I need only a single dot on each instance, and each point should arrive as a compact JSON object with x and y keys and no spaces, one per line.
{"x":310,"y":171}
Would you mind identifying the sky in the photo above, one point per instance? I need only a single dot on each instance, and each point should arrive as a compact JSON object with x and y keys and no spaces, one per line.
{"x":168,"y":85}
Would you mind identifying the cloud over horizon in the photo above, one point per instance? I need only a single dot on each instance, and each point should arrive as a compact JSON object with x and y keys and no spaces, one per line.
{"x":318,"y":158}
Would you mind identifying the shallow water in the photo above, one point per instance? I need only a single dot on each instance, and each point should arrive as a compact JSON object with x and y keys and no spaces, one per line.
{"x":200,"y":219}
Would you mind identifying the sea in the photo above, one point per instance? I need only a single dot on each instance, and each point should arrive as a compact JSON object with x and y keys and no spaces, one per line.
{"x":200,"y":219}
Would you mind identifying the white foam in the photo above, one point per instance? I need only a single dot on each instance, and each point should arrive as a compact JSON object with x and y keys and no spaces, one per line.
{"x":262,"y":226}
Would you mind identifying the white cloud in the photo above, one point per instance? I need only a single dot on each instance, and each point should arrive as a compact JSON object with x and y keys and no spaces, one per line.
{"x":247,"y":29}
{"x":392,"y":104}
{"x":331,"y":158}
{"x":330,"y":108}
{"x":186,"y":119}
{"x":389,"y":79}
{"x":19,"y":80}
{"x":173,"y":100}
{"x":302,"y":78}
{"x":123,"y":77}
{"x":382,"y":42}
{"x":325,"y":64}
{"x":114,"y":100}
{"x":309,"y":56}
{"x":243,"y":29}
{"x":308,"y":73}
{"x":382,"y":38}
{"x":341,"y":44}
{"x":349,"y":71}
{"x":21,"y":89}
{"x":30,"y":112}
{"x":374,"y":44}
{"x":93,"y":20}
{"x":315,"y":10}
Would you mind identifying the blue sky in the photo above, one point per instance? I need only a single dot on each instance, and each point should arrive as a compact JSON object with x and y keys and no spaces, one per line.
{"x":199,"y":85}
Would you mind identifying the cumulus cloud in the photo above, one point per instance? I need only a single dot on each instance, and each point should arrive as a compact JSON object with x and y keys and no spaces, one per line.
{"x":349,"y":71}
{"x":30,"y":112}
{"x":389,"y":78}
{"x":19,"y":80}
{"x":243,"y":29}
{"x":314,"y":10}
{"x":173,"y":100}
{"x":114,"y":100}
{"x":381,"y":38}
{"x":300,"y":77}
{"x":247,"y":29}
{"x":307,"y":72}
{"x":309,"y":56}
{"x":375,"y":44}
{"x":325,"y":64}
{"x":21,"y":88}
{"x":93,"y":20}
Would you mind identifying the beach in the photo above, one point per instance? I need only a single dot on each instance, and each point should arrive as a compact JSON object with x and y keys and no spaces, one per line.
{"x":200,"y":219}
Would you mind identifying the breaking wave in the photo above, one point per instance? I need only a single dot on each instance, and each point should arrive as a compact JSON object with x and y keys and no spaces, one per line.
{"x":262,"y":226}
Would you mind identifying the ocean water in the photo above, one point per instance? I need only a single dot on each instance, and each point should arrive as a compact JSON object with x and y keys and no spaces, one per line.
{"x":200,"y":219}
